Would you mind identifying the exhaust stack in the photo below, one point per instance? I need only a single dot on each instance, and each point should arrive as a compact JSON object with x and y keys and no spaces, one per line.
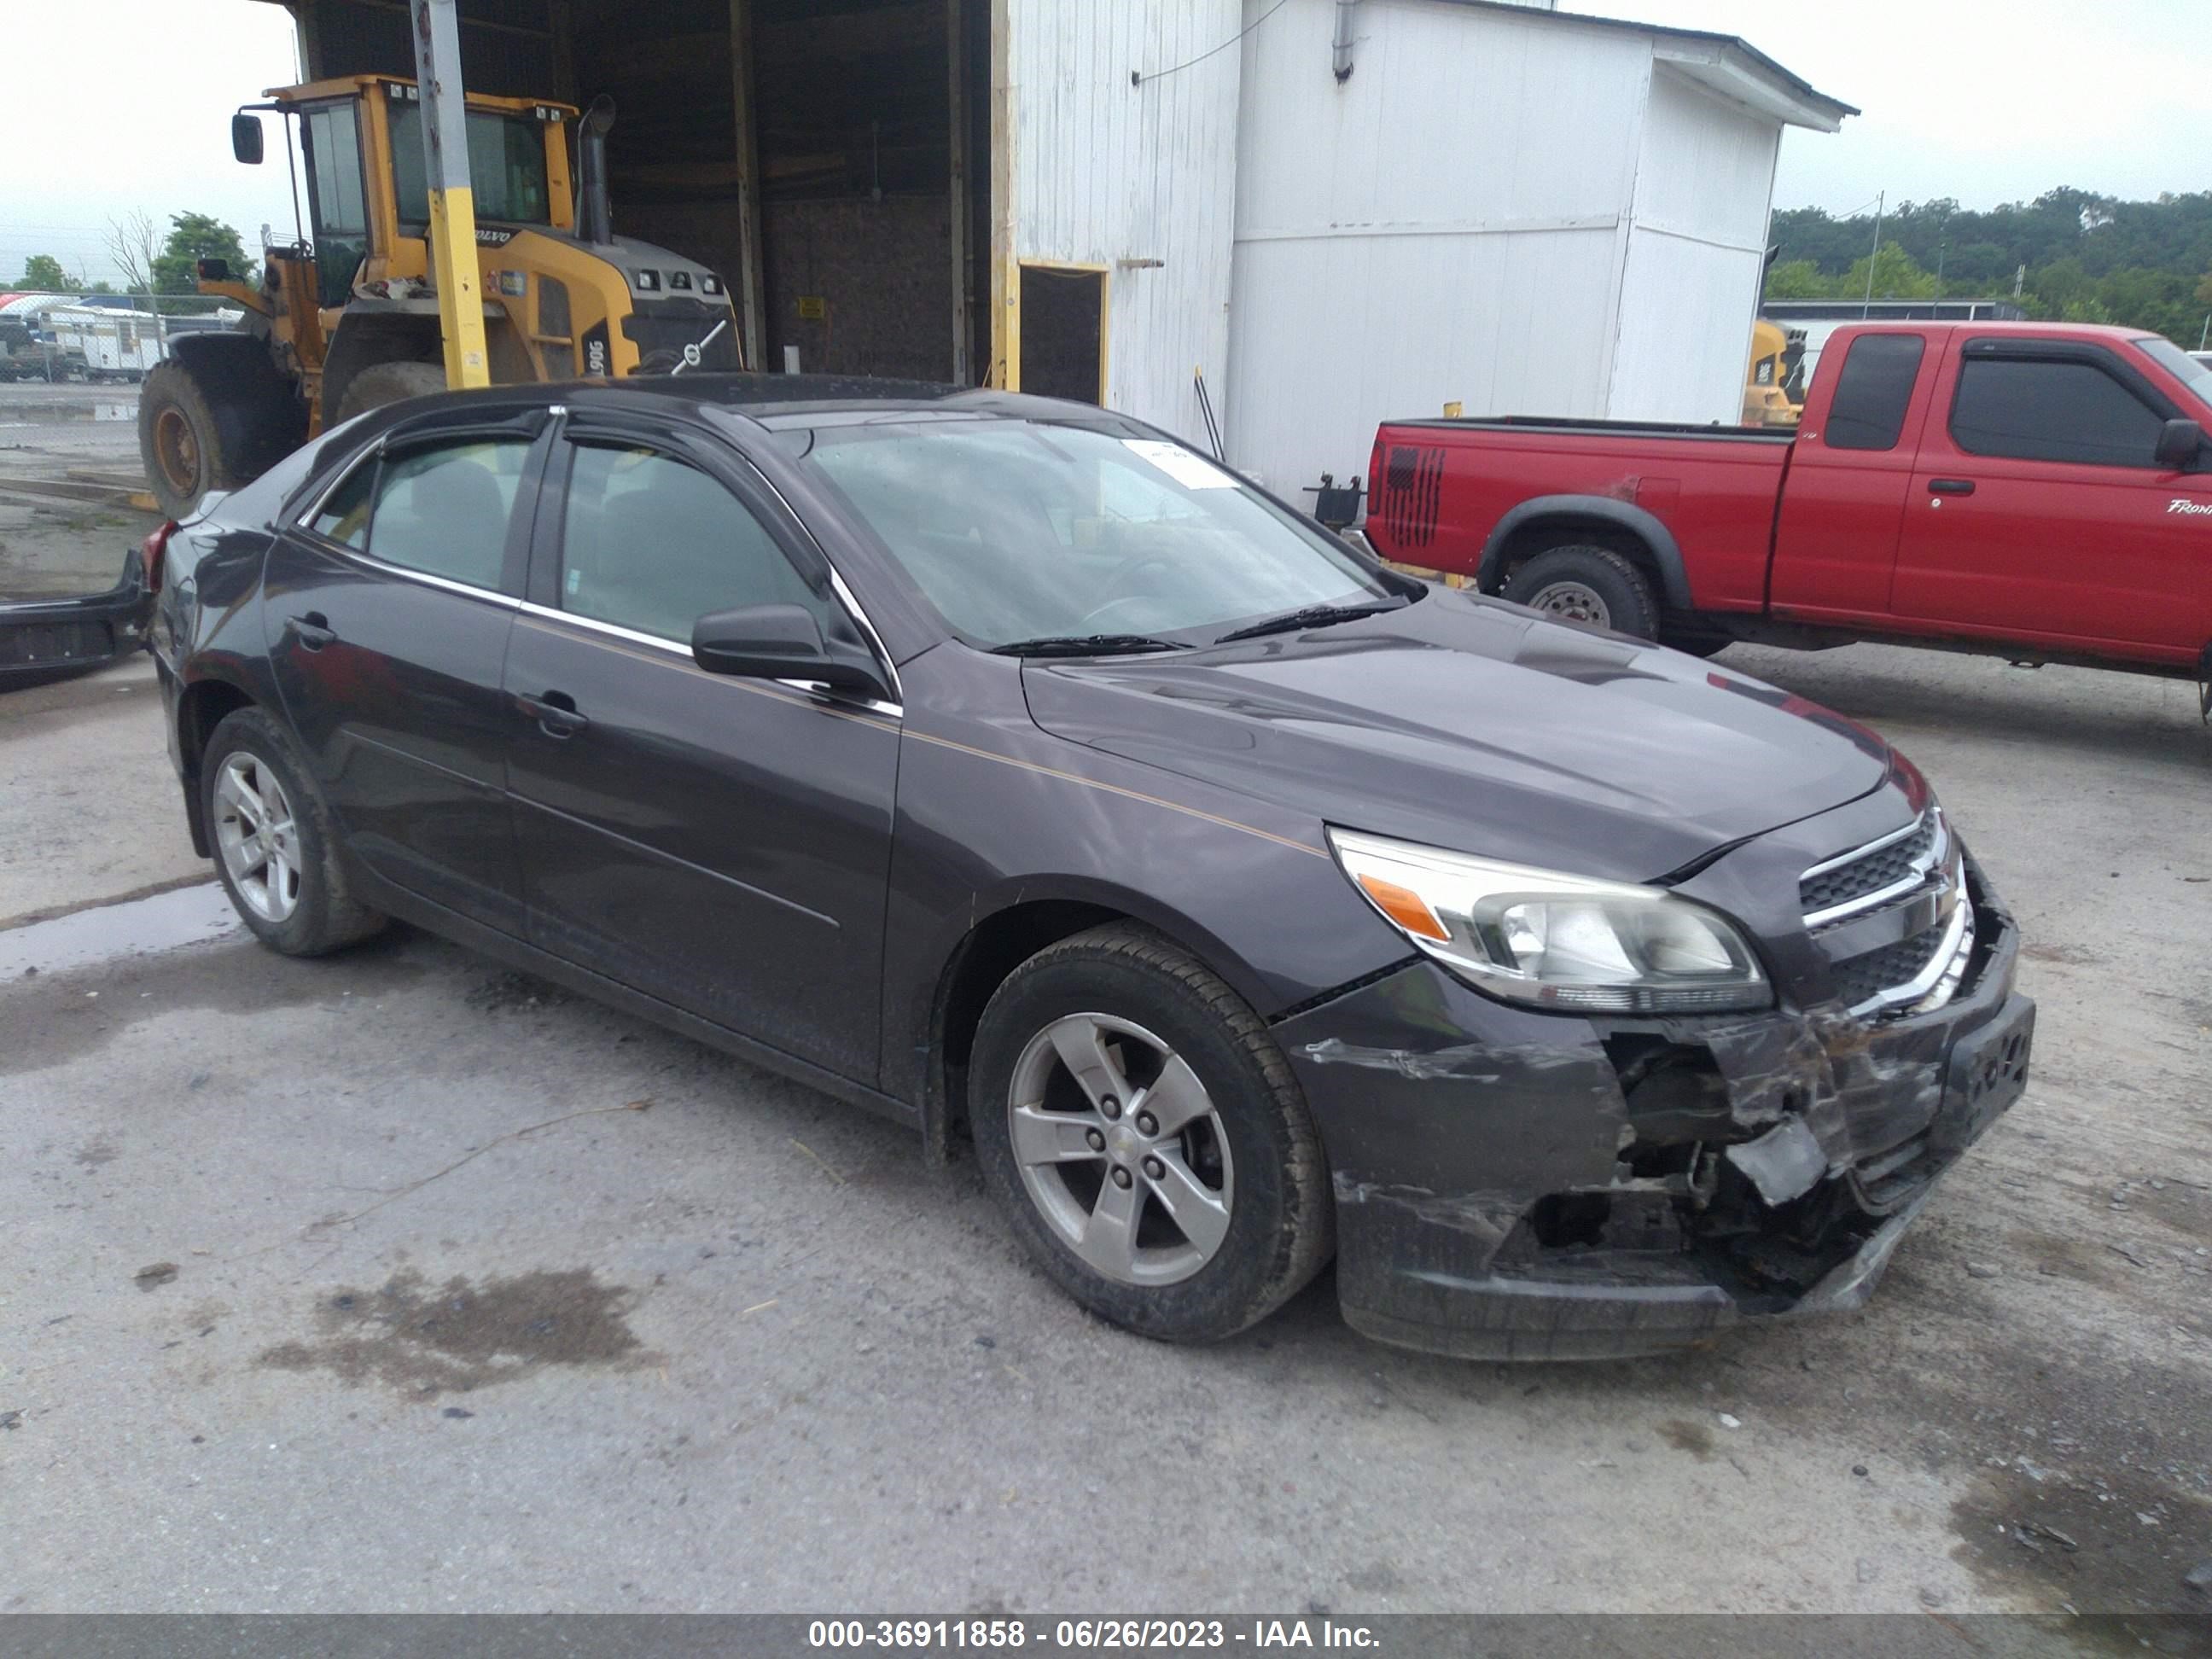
{"x":595,"y":217}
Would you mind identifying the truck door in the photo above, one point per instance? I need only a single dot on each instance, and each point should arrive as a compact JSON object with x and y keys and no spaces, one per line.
{"x":2038,"y":511}
{"x":1851,"y":470}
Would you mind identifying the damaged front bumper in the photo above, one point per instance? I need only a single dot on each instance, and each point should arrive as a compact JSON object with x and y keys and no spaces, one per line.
{"x":1518,"y":1185}
{"x":43,"y":640}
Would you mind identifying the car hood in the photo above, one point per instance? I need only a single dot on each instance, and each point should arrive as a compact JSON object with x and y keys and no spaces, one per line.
{"x":1467,"y":723}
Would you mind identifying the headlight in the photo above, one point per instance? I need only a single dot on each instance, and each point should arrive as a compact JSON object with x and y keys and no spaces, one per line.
{"x":1557,"y":941}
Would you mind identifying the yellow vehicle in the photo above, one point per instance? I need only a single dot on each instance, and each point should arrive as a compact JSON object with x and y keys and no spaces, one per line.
{"x":1772,"y":393}
{"x":348,"y":320}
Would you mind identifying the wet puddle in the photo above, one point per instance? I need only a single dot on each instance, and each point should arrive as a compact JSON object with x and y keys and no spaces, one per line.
{"x":424,"y":1340}
{"x":56,"y":413}
{"x":165,"y":921}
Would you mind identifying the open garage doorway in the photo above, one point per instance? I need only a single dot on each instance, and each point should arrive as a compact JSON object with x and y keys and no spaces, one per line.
{"x":1063,"y":331}
{"x":829,"y":157}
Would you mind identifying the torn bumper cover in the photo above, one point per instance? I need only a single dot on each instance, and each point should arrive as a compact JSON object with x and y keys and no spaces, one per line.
{"x":1513,"y":1184}
{"x":42,"y":639}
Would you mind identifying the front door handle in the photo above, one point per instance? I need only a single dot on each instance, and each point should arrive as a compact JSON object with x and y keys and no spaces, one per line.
{"x":1951,"y":486}
{"x":312,"y":630}
{"x":554,"y":712}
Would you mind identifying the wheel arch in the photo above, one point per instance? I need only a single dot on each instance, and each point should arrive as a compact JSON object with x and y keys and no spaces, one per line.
{"x":1009,"y":928}
{"x":365,"y":338}
{"x":200,"y":707}
{"x":1622,"y":527}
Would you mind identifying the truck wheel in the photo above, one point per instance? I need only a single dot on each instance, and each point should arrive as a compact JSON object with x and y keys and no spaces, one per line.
{"x":1589,"y":587}
{"x":197,"y":432}
{"x":389,"y":383}
{"x":1145,"y":1140}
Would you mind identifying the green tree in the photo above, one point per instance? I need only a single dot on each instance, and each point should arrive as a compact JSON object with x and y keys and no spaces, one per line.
{"x":1800,"y":279}
{"x":193,"y":237}
{"x":1897,"y":276}
{"x":42,"y":274}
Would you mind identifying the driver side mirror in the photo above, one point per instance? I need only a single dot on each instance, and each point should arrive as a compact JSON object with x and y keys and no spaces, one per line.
{"x":782,"y":642}
{"x":246,"y":138}
{"x":2180,"y":443}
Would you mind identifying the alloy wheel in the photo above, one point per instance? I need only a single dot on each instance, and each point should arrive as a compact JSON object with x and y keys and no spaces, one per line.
{"x":258,"y":838}
{"x":1120,"y":1149}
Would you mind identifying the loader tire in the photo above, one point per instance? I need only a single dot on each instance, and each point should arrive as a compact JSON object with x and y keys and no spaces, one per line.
{"x":389,"y":383}
{"x":212,"y":426}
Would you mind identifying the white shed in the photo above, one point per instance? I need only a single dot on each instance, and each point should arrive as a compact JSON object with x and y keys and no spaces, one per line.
{"x":1517,"y":209}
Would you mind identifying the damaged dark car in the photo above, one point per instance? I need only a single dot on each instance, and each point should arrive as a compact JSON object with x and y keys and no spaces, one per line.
{"x":1010,"y":768}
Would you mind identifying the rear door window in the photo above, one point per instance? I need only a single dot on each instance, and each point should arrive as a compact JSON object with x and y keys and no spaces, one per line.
{"x":1873,"y":390}
{"x":651,"y":543}
{"x":444,"y":509}
{"x":2034,"y":410}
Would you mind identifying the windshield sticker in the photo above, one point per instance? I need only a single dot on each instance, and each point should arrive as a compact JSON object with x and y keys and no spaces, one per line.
{"x":1191,"y":470}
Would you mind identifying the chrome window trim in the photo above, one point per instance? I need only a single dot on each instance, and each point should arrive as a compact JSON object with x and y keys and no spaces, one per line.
{"x":385,"y":567}
{"x":683,"y":654}
{"x":304,"y":520}
{"x":1936,"y":856}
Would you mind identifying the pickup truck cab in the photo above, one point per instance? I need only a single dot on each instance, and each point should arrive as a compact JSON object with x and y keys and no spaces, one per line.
{"x":2040,"y":491}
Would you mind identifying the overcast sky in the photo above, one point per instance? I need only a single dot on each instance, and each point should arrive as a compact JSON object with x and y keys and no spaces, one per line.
{"x":1987,"y":100}
{"x":127,"y":105}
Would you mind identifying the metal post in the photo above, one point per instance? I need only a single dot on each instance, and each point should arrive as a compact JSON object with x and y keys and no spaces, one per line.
{"x":453,"y":202}
{"x":1867,"y":310}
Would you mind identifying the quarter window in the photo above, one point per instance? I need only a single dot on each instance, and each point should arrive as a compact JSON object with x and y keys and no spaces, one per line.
{"x":651,"y":543}
{"x":1873,"y":390}
{"x":2034,"y":411}
{"x":443,"y":509}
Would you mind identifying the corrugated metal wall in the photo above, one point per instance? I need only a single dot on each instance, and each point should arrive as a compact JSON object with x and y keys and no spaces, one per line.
{"x":1447,"y":225}
{"x":1696,"y":257}
{"x":1109,"y":173}
{"x":1523,"y":216}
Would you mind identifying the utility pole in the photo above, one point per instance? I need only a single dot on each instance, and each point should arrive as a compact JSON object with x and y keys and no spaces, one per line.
{"x":1867,"y":310}
{"x":453,"y":202}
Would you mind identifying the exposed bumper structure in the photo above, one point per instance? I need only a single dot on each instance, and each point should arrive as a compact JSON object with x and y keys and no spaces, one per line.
{"x":43,"y":640}
{"x":1514,"y":1185}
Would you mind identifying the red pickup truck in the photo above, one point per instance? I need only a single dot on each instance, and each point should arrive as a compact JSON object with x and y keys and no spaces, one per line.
{"x":2040,"y":491}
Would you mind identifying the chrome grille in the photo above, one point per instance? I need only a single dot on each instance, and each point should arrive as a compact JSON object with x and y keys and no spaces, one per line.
{"x":1870,"y":876}
{"x":1914,"y":877}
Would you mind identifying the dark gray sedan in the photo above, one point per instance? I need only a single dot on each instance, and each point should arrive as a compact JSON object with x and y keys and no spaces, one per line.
{"x":1011,"y":769}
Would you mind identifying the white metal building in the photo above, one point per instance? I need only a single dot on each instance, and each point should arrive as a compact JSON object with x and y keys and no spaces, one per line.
{"x":1512,"y":209}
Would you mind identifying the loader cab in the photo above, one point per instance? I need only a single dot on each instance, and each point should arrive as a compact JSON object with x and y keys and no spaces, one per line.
{"x":366,"y":174}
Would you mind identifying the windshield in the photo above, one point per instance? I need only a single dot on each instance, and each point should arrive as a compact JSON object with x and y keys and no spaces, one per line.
{"x":2179,"y":364}
{"x":507,"y":167}
{"x":1017,"y":531}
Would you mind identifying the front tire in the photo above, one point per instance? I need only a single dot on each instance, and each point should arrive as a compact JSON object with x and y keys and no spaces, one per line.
{"x":1145,"y":1140}
{"x":214,"y":425}
{"x":1587,"y":587}
{"x":274,"y":844}
{"x":389,"y":383}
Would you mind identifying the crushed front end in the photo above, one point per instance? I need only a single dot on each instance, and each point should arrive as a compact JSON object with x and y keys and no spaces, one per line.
{"x":1514,"y":1183}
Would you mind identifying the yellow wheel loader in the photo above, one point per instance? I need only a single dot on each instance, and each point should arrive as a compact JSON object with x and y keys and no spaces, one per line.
{"x":1773,"y":389}
{"x":346,"y":319}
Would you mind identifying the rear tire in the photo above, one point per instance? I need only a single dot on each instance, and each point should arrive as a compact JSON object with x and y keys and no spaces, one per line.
{"x":389,"y":383}
{"x":276,"y":848}
{"x":1187,"y":1225}
{"x":1587,"y":586}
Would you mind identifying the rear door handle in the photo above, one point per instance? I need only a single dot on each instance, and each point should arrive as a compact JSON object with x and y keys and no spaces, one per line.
{"x":1951,"y":486}
{"x":311,"y":630}
{"x":554,"y":712}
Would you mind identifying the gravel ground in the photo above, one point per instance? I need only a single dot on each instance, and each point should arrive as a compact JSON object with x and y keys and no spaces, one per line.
{"x":398,"y":1281}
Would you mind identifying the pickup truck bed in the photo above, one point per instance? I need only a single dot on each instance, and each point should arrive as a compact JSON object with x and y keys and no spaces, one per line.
{"x":2041,"y":491}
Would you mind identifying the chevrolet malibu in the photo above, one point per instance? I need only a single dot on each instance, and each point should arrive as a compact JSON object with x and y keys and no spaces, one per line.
{"x":1009,"y":768}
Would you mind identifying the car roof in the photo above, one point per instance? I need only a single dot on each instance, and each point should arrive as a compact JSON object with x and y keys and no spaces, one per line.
{"x":787,"y":400}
